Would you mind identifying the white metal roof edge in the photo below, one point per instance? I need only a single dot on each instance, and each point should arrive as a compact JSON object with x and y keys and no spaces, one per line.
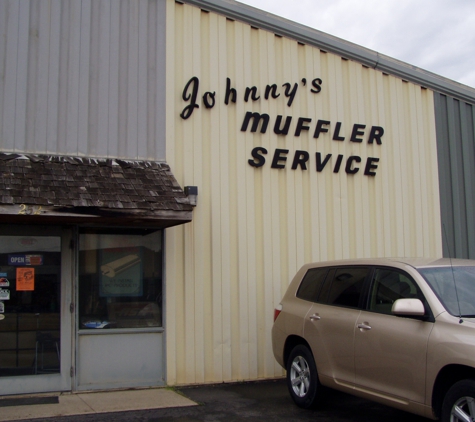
{"x":301,"y":33}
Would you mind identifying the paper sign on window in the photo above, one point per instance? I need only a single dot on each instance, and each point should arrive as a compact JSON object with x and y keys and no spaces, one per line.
{"x":121,"y":272}
{"x":25,"y":279}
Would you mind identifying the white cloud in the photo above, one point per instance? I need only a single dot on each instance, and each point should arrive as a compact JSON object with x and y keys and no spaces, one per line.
{"x":435,"y":35}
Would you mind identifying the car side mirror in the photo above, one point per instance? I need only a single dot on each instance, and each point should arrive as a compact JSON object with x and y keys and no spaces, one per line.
{"x":408,"y":307}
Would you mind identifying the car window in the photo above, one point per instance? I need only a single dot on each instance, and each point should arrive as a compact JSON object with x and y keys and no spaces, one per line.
{"x":311,"y":284}
{"x":455,"y":287}
{"x":388,"y":286}
{"x":345,"y":287}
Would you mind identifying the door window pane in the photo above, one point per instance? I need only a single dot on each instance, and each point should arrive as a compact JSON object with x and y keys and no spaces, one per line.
{"x":30,"y":293}
{"x":346,"y":287}
{"x":388,"y":286}
{"x":311,"y":284}
{"x":120,"y":280}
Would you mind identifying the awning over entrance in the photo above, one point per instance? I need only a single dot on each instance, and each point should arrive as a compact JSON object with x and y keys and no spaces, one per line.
{"x":74,"y":190}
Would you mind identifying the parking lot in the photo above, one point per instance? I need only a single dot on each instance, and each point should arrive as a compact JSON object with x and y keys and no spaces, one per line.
{"x":256,"y":401}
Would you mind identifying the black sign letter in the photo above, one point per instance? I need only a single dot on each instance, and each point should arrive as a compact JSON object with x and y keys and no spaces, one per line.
{"x":290,"y":94}
{"x":188,"y":110}
{"x":320,"y":129}
{"x":230,"y":92}
{"x":208,"y":99}
{"x":272,"y":90}
{"x":349,"y":163}
{"x":357,"y":132}
{"x":370,"y":166}
{"x":278,"y":157}
{"x":375,"y":135}
{"x":317,"y":84}
{"x":336,"y":133}
{"x":321,"y":164}
{"x":300,"y":159}
{"x":252,"y":92}
{"x":301,"y":126}
{"x":336,"y":169}
{"x":259,"y":160}
{"x":285,"y":130}
{"x":257,"y":118}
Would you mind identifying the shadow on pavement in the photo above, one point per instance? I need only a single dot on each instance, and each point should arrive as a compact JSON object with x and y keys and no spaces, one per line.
{"x":255,"y":401}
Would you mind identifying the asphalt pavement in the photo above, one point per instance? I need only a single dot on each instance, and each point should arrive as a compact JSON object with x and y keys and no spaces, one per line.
{"x":251,"y":401}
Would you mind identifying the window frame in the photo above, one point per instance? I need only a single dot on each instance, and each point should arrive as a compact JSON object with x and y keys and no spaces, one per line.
{"x":327,"y":286}
{"x":131,"y":302}
{"x":429,"y":316}
{"x":365,"y":295}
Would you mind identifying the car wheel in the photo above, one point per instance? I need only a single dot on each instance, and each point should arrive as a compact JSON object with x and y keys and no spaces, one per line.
{"x":302,"y":377}
{"x":459,"y":402}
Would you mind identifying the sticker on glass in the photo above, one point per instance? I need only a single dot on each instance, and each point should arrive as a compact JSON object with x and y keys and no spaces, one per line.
{"x":3,"y":280}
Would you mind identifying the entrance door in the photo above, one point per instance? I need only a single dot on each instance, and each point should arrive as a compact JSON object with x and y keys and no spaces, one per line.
{"x":120,"y":330}
{"x":35,"y":319}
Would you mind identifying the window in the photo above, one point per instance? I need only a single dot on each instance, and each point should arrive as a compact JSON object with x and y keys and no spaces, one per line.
{"x":30,"y":298}
{"x":311,"y":284}
{"x":388,"y":286}
{"x":454,"y":286}
{"x":346,"y":287}
{"x":120,"y":279}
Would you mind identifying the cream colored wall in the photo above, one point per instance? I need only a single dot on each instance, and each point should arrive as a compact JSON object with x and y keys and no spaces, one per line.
{"x":254,"y":227}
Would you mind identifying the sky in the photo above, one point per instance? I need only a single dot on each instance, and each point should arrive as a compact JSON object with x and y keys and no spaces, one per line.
{"x":435,"y":35}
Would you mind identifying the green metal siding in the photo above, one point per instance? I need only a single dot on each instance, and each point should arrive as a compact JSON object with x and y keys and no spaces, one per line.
{"x":455,"y":128}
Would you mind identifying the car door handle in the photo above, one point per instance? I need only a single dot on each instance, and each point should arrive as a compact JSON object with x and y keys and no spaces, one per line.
{"x":364,"y":326}
{"x":315,"y":317}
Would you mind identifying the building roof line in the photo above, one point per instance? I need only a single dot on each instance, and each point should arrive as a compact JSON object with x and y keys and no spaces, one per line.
{"x":307,"y":35}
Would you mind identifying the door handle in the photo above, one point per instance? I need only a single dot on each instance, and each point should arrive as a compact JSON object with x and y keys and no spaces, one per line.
{"x":315,"y":317}
{"x":364,"y":326}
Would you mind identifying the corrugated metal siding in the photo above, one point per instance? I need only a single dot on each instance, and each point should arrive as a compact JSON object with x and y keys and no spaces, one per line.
{"x":254,"y":227}
{"x":456,"y":150}
{"x":311,"y":36}
{"x":83,"y":78}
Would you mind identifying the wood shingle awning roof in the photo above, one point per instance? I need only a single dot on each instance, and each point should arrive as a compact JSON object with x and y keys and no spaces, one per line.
{"x":37,"y":188}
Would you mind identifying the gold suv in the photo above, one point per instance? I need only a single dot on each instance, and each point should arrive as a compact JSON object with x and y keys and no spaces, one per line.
{"x":397,"y":331}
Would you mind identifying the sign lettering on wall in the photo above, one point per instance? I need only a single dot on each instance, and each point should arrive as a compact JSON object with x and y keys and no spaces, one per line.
{"x":254,"y":122}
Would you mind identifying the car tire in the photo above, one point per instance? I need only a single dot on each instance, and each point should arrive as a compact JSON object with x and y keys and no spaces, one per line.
{"x":302,"y":377}
{"x":459,"y":402}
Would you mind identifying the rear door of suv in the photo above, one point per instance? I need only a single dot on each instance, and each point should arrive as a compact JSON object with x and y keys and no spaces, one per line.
{"x":329,"y":326}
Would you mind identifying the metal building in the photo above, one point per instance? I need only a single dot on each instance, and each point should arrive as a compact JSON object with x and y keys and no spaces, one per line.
{"x":167,"y":166}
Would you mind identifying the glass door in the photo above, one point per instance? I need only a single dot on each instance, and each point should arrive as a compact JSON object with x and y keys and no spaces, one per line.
{"x":120,"y":340}
{"x":35,"y":320}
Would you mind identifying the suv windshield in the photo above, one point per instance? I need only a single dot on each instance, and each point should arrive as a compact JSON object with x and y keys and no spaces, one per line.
{"x":455,"y":287}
